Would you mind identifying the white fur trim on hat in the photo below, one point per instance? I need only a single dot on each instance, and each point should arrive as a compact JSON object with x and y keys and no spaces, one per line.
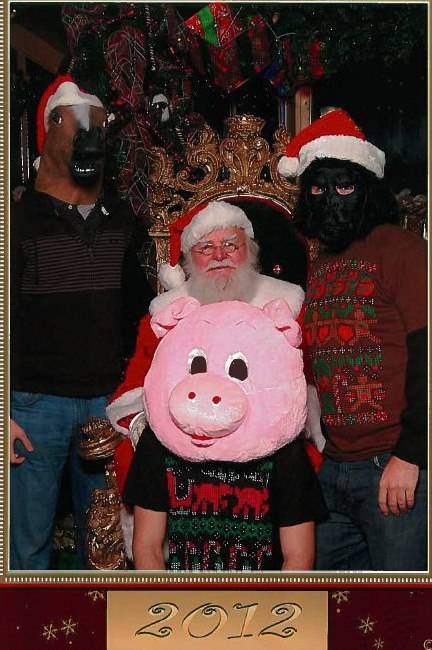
{"x":288,"y":167}
{"x":171,"y":276}
{"x":68,"y":94}
{"x":343,"y":147}
{"x":217,"y":214}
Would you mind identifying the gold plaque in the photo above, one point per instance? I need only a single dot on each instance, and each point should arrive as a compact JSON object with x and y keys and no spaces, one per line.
{"x":249,"y":620}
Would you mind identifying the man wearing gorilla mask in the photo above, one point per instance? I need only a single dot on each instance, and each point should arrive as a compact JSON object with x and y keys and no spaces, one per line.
{"x":366,"y":330}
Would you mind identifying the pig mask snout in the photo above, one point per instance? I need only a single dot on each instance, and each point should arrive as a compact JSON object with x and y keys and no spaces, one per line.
{"x":207,"y":407}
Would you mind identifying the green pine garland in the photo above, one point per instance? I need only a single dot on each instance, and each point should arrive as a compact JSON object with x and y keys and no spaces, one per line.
{"x":350,"y":33}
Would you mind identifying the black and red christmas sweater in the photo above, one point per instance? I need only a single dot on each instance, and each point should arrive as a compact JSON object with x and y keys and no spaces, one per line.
{"x":224,"y":515}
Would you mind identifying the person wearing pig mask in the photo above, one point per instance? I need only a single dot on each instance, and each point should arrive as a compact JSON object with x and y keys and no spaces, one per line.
{"x":219,"y":470}
{"x":366,"y":329}
{"x":77,"y":290}
{"x":219,"y":260}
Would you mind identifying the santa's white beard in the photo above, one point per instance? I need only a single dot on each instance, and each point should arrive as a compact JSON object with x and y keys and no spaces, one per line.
{"x":238,"y":285}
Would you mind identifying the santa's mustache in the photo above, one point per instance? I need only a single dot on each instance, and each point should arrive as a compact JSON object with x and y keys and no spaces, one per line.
{"x":219,"y":265}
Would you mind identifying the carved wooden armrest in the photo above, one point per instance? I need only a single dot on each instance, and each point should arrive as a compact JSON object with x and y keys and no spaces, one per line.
{"x":105,"y":546}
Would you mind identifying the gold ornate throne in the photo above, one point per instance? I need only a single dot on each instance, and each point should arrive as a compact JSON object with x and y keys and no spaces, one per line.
{"x":240,"y":167}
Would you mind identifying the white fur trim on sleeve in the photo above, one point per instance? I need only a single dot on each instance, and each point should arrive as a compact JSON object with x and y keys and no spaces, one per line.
{"x":127,"y":404}
{"x":165,"y":298}
{"x":268,"y":288}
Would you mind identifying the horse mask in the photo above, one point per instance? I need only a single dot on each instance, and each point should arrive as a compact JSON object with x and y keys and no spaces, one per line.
{"x":71,"y":139}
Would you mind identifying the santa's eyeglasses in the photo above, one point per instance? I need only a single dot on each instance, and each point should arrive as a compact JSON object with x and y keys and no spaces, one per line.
{"x":229,"y":247}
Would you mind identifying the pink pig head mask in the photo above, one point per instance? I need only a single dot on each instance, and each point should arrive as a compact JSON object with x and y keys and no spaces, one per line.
{"x":226,"y":382}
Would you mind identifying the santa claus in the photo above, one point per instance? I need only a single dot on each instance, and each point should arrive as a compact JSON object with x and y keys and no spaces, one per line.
{"x":213,"y":258}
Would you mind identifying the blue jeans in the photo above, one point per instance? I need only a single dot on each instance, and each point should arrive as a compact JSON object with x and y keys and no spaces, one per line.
{"x":53,"y":425}
{"x":357,"y":536}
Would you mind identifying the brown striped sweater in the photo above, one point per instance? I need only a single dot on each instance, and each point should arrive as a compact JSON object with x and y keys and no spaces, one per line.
{"x":76,"y":295}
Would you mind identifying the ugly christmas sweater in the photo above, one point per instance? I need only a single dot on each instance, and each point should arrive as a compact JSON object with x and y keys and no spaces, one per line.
{"x":365,"y":328}
{"x":222,"y":515}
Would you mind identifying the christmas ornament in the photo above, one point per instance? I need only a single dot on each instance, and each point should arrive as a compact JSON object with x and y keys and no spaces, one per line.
{"x":160,"y":106}
{"x":232,"y":45}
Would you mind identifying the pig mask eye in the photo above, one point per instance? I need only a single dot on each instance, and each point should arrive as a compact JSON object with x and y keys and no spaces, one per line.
{"x":236,"y":366}
{"x":197,"y":362}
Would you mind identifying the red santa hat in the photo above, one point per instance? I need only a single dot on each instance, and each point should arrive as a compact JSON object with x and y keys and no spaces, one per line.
{"x":63,"y":91}
{"x":333,"y":135}
{"x":191,"y":227}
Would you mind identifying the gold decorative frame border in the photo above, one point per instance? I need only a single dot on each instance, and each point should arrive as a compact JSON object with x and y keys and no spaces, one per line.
{"x":148,"y":579}
{"x":4,"y":319}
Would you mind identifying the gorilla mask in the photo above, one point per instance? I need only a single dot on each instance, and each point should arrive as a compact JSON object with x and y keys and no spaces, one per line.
{"x":335,"y":191}
{"x":341,"y":201}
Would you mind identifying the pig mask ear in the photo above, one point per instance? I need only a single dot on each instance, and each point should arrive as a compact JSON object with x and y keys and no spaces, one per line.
{"x":280,"y":313}
{"x":169,"y":316}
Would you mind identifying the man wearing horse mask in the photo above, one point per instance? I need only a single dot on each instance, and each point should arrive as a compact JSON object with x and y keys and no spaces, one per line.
{"x":365,"y":327}
{"x":77,"y":292}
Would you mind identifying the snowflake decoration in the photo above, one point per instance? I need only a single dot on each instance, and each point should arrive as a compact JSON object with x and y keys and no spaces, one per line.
{"x":379,"y":643}
{"x":68,"y":627}
{"x":366,"y":625}
{"x":341,"y":596}
{"x":96,"y":595}
{"x":50,"y":632}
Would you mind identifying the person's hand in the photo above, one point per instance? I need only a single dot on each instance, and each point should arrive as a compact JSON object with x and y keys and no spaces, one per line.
{"x":18,"y":433}
{"x":397,"y":486}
